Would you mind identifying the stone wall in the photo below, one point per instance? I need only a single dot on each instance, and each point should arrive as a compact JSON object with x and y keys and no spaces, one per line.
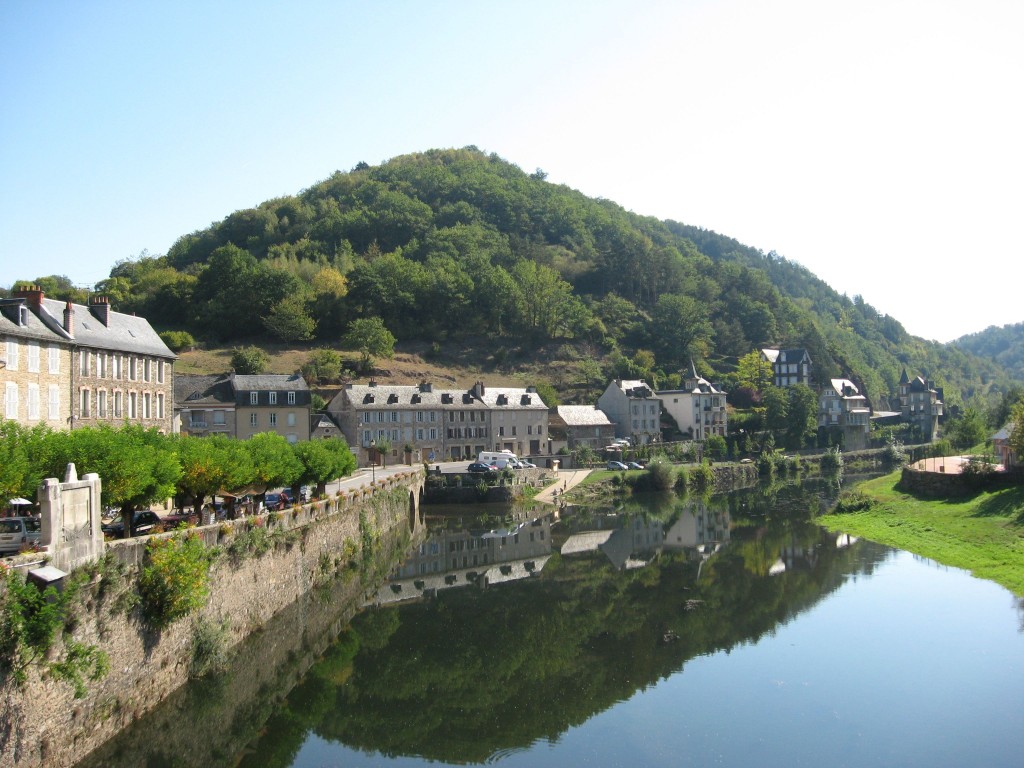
{"x":356,"y":538}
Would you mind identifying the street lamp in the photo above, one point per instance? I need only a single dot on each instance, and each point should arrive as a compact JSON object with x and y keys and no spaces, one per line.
{"x":373,"y":461}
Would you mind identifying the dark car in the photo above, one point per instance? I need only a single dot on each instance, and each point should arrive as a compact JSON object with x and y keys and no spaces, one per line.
{"x":143,"y":523}
{"x":179,"y":516}
{"x":282,"y":500}
{"x":618,"y":466}
{"x":480,"y":468}
{"x":634,"y":465}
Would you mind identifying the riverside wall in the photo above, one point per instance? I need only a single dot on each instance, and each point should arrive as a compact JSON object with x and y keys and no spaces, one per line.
{"x":346,"y":544}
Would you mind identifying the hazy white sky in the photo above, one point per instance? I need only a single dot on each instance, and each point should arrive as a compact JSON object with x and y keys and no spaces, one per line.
{"x":877,"y":143}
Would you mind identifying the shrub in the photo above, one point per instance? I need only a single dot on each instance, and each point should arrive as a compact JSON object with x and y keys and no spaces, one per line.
{"x":174,"y":583}
{"x":178,"y":340}
{"x":209,"y":648}
{"x":853,"y":501}
{"x":893,"y":455}
{"x":661,"y":476}
{"x":832,"y":460}
{"x":702,"y":477}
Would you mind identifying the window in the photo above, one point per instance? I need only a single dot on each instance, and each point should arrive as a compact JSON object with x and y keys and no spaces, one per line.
{"x":218,"y":417}
{"x":252,"y":419}
{"x":160,"y":405}
{"x":83,"y":362}
{"x":273,"y":398}
{"x":419,"y":434}
{"x":146,"y":401}
{"x":133,"y":403}
{"x":33,"y":395}
{"x":160,"y":371}
{"x":273,"y":419}
{"x":11,"y":400}
{"x":133,"y":368}
{"x":291,"y":398}
{"x":292,"y":438}
{"x":291,"y":420}
{"x":12,"y":355}
{"x":54,"y":402}
{"x":147,"y":369}
{"x":254,"y":398}
{"x":101,"y":404}
{"x":54,"y":358}
{"x":33,"y":359}
{"x":101,"y":365}
{"x":118,"y":404}
{"x":118,"y":366}
{"x":419,"y":416}
{"x":85,"y":404}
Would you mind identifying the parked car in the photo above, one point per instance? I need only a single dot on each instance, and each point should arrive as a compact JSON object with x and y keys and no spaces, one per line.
{"x":480,"y":468}
{"x":179,"y":516}
{"x":277,"y":500}
{"x":527,"y":464}
{"x":634,"y":465}
{"x":618,"y":466}
{"x":17,"y":532}
{"x":144,"y":522}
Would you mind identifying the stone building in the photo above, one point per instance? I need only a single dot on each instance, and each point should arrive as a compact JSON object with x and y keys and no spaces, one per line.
{"x":68,"y":365}
{"x":441,"y":424}
{"x":698,"y":408}
{"x":921,"y":405}
{"x":634,"y":409}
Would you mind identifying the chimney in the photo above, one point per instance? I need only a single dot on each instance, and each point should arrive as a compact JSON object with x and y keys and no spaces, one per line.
{"x":32,"y":293}
{"x":69,"y":319}
{"x":478,"y":390}
{"x":100,"y":307}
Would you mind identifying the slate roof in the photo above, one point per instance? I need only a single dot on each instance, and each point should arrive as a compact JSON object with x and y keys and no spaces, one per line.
{"x":34,"y":328}
{"x":372,"y":397}
{"x":269,"y":381}
{"x":194,"y":390}
{"x":122,"y":333}
{"x":583,"y":416}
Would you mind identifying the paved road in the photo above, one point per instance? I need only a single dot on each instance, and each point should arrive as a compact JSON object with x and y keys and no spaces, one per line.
{"x":567,"y":480}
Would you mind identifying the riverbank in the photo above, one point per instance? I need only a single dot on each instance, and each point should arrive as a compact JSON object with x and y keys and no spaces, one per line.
{"x":983,"y":534}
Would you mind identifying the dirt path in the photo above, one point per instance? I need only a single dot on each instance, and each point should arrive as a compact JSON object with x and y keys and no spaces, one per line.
{"x":567,"y":479}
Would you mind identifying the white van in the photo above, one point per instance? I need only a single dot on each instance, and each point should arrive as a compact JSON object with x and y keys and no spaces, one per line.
{"x":500,"y":459}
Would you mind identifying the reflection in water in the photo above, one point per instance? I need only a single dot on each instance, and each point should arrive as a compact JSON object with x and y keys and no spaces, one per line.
{"x":512,"y":630}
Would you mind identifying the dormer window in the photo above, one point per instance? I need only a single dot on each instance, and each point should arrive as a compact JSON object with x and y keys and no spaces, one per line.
{"x":273,"y":398}
{"x":22,"y":315}
{"x":254,"y":398}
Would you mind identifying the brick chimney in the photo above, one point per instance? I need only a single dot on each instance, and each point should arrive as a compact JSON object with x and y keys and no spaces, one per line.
{"x":100,"y":307}
{"x":33,"y":294}
{"x":69,"y":319}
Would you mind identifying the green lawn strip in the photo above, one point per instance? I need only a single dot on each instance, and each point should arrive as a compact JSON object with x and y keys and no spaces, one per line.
{"x":983,"y":534}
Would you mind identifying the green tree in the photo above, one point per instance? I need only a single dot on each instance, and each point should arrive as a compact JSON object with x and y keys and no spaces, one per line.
{"x":969,"y":430}
{"x":323,"y":461}
{"x":371,"y":337}
{"x":776,"y":404}
{"x":275,"y":464}
{"x":1017,"y":436}
{"x":680,"y":330}
{"x":547,"y":394}
{"x":754,"y":371}
{"x":801,"y":416}
{"x":288,"y":320}
{"x":210,"y":465}
{"x":138,"y":466}
{"x":249,"y":361}
{"x":322,"y":367}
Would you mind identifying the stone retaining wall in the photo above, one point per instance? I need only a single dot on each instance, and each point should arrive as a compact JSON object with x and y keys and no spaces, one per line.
{"x":357,"y":537}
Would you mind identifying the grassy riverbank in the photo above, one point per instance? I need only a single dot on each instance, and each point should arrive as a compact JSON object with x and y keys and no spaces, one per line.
{"x":983,"y":534}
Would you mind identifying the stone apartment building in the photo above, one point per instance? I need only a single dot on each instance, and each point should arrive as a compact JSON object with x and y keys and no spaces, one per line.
{"x":789,"y":367}
{"x":579,"y":426}
{"x":441,"y":424}
{"x":843,"y":409}
{"x":69,"y":366}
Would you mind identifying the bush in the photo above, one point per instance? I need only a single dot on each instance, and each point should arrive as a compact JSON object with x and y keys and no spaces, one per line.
{"x":249,"y":361}
{"x":178,"y":340}
{"x":832,"y":460}
{"x":893,"y":455}
{"x":661,"y":476}
{"x":853,"y":501}
{"x":174,"y":583}
{"x":702,"y":477}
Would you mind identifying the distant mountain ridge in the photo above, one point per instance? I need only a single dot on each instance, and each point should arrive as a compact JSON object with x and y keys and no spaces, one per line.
{"x":1002,"y":345}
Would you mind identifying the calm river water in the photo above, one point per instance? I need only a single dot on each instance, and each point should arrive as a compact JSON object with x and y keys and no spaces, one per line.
{"x":661,"y":632}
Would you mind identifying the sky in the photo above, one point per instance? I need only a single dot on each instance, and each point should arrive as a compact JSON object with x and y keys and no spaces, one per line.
{"x":878,"y":144}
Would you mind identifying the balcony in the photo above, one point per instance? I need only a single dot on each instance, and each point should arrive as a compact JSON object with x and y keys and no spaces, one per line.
{"x":197,"y":425}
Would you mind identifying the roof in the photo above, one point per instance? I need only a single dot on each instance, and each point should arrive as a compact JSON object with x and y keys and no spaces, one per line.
{"x":636,"y":388}
{"x":374,"y":396}
{"x":194,"y":390}
{"x":321,"y":421}
{"x":121,"y":333}
{"x":846,"y":388}
{"x":269,"y":381}
{"x":34,"y":328}
{"x":583,"y":415}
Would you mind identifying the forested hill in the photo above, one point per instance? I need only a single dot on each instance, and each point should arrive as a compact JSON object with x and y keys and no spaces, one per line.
{"x":447,"y":244}
{"x":1004,"y":346}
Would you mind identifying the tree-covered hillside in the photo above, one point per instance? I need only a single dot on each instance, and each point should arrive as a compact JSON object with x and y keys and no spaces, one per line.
{"x":449,"y":244}
{"x":1004,"y":346}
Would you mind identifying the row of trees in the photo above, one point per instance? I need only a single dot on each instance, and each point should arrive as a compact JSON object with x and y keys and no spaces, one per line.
{"x":141,"y":466}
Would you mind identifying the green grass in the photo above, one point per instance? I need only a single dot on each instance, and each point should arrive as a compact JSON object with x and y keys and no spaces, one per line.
{"x":983,"y":534}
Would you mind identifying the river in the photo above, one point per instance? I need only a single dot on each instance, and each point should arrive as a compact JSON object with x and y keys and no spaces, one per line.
{"x":729,"y":631}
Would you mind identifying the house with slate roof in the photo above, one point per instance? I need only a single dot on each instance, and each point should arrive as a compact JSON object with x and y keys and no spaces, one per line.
{"x":242,"y":406}
{"x":789,"y":366}
{"x":441,"y":424}
{"x":843,"y":409}
{"x":921,"y":405}
{"x":69,"y":366}
{"x":698,"y":408}
{"x":634,"y":409}
{"x":1001,"y":446}
{"x":577,"y":426}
